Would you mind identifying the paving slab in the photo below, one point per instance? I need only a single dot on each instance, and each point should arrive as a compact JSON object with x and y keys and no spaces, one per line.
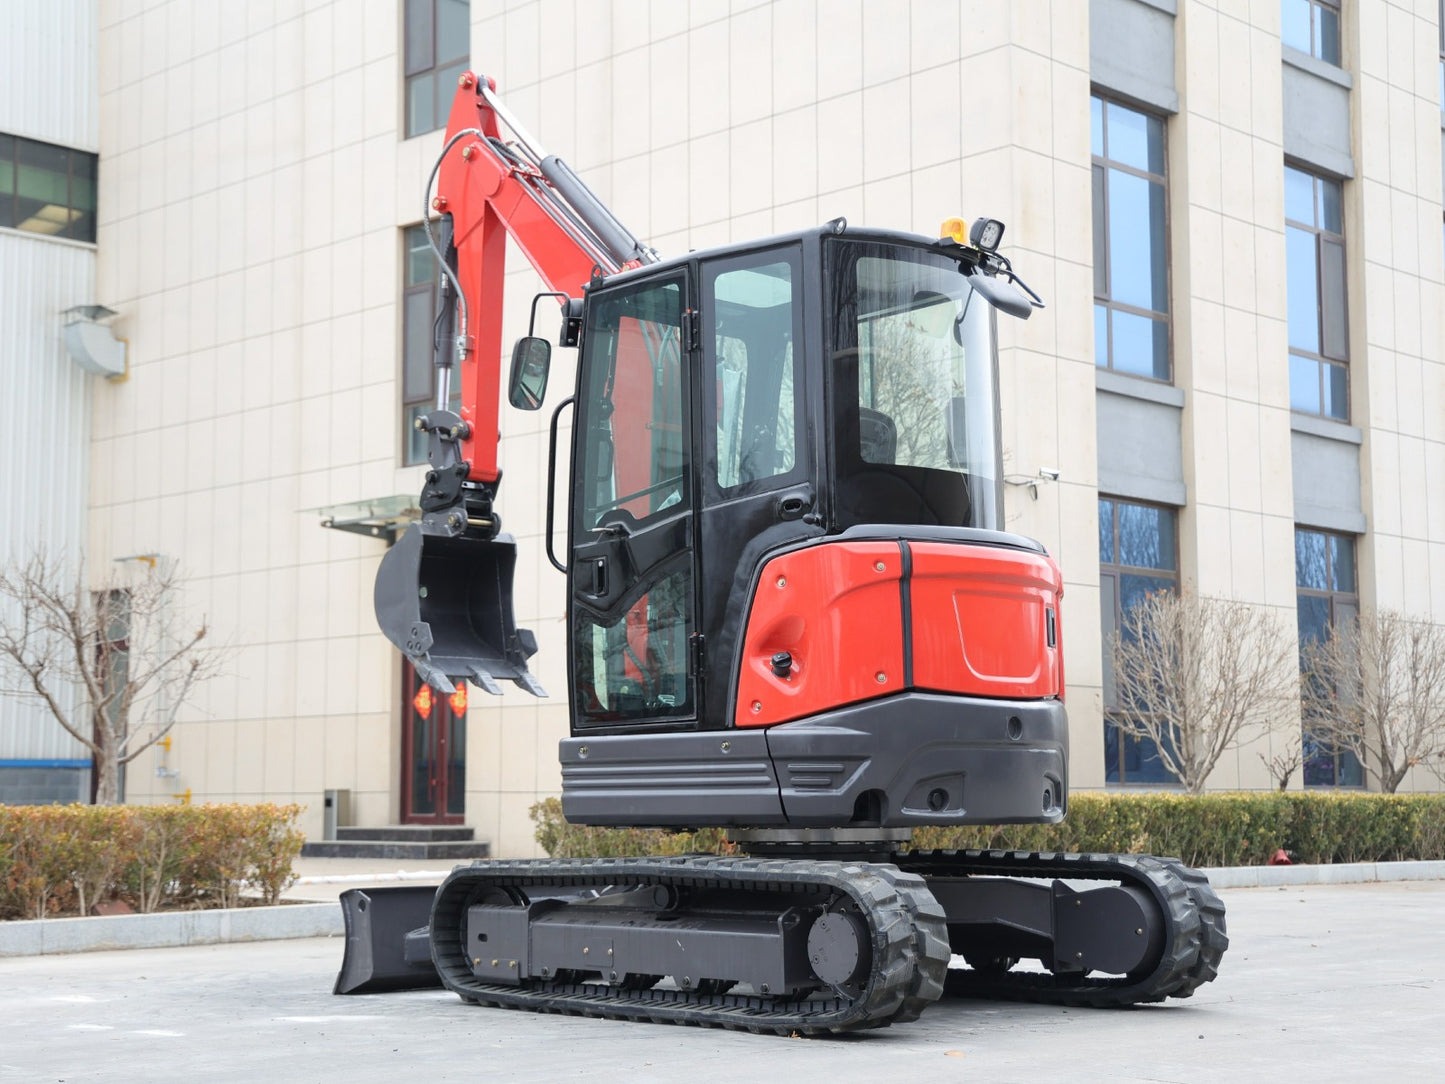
{"x":1322,"y":982}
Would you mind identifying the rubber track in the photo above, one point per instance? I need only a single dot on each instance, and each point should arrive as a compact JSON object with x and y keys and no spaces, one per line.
{"x":1193,"y":915}
{"x":909,"y":942}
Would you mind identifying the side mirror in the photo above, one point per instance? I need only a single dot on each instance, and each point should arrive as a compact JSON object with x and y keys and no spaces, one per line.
{"x":531,"y":362}
{"x":1001,"y":294}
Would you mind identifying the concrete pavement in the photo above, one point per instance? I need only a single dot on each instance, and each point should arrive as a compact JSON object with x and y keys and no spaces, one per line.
{"x":1322,"y":982}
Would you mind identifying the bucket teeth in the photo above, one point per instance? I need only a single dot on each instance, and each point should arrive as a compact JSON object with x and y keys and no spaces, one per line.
{"x":485,"y":680}
{"x":531,"y":684}
{"x":433,"y":677}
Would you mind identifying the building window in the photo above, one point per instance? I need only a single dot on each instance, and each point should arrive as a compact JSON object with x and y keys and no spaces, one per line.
{"x":418,"y":353}
{"x":1137,"y":556}
{"x":1326,"y":598}
{"x":47,"y":189}
{"x":1131,"y":263}
{"x":1313,"y":27}
{"x":1318,"y":330}
{"x":438,"y":44}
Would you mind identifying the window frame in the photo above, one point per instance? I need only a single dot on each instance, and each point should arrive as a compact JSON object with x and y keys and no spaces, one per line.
{"x":413,"y":443}
{"x":427,"y":67}
{"x":1114,"y":569}
{"x":1100,"y":166}
{"x":1341,"y":605}
{"x":1323,"y":238}
{"x":1316,"y":46}
{"x":790,"y":374}
{"x":81,"y":167}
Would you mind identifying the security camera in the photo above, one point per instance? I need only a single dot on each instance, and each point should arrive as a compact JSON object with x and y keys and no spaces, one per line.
{"x":1049,"y":474}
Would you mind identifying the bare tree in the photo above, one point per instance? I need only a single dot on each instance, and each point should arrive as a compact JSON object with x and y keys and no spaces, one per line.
{"x":119,"y":646}
{"x":1376,"y":687}
{"x":1283,"y":764}
{"x":1194,"y":674}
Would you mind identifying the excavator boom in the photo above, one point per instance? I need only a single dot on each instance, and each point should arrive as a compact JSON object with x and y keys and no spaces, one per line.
{"x":444,"y":593}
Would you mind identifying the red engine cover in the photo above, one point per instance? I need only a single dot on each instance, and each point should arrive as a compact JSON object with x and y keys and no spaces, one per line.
{"x":981,"y":618}
{"x":835,"y":609}
{"x":985,"y":622}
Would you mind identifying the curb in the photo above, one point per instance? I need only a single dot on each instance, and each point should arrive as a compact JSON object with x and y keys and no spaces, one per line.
{"x":180,"y":928}
{"x":1343,"y":873}
{"x":44,"y":937}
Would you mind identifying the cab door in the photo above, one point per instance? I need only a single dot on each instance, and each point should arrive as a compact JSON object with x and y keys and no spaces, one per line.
{"x":757,"y":470}
{"x":632,"y":570}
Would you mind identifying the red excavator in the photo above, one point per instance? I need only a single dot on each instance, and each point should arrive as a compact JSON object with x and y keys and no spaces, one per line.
{"x":791,"y":612}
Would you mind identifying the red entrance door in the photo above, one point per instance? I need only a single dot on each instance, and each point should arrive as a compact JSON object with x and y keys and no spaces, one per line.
{"x":433,"y":752}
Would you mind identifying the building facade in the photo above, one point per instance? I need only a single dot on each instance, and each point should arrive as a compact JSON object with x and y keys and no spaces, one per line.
{"x":48,"y":141}
{"x":1232,"y":208}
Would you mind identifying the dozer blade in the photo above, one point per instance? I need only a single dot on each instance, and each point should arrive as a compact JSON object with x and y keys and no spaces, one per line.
{"x":387,"y":946}
{"x":446,"y":602}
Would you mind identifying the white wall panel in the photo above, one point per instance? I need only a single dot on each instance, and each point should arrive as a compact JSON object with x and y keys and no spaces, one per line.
{"x":48,"y":71}
{"x":44,"y":437}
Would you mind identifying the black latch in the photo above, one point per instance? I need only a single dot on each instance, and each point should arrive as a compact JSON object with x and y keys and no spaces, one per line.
{"x":782,"y":664}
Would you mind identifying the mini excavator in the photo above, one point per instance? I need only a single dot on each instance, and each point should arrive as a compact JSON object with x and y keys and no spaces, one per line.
{"x":791,"y":612}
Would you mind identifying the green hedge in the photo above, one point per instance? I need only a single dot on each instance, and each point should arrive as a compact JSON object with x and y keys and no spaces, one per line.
{"x":1243,"y":829}
{"x":57,"y":860}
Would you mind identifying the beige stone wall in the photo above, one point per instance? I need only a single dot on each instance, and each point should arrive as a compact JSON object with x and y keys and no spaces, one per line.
{"x":1397,"y":301}
{"x":253,"y":189}
{"x":1226,"y":193}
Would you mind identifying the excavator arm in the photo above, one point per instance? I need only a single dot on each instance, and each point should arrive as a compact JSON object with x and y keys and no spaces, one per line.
{"x":444,"y":592}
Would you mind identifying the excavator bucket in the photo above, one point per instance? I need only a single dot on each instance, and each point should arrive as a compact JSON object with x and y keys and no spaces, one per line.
{"x":387,"y":945}
{"x":446,"y":602}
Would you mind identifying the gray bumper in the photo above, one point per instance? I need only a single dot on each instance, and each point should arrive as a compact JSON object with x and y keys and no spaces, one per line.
{"x":902,"y":761}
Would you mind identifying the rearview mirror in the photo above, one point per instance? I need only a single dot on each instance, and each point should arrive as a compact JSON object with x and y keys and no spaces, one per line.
{"x":531,"y":362}
{"x":1001,"y":294}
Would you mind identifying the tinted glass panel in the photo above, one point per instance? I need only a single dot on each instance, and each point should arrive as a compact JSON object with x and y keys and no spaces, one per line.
{"x":1134,"y":589}
{"x":1141,"y":345}
{"x":1342,"y":563}
{"x":1299,"y":196}
{"x":419,"y":56}
{"x":417,"y":316}
{"x":753,"y":375}
{"x":1106,"y":532}
{"x":1332,"y":299}
{"x":1330,"y":198}
{"x":1336,"y":392}
{"x":420,"y":103}
{"x":82,"y":180}
{"x":1294,"y":28}
{"x":1314,"y":618}
{"x":635,"y":449}
{"x":1304,"y":384}
{"x":47,"y":189}
{"x":1135,"y":139}
{"x":635,"y":666}
{"x":421,"y":265}
{"x":1101,"y":251}
{"x":1311,"y":560}
{"x":1101,"y":335}
{"x":1136,"y":241}
{"x":1327,"y":34}
{"x":1146,"y":537}
{"x":913,"y":369}
{"x":7,"y":180}
{"x":1302,"y":276}
{"x":453,"y":29}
